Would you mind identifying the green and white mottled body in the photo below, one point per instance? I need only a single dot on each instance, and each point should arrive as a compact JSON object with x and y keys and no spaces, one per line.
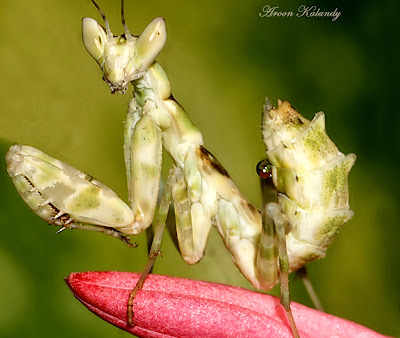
{"x":202,"y":191}
{"x":310,"y":174}
{"x":295,"y":227}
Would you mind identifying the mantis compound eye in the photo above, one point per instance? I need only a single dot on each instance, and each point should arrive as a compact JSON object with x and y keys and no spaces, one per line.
{"x":264,"y":169}
{"x":94,"y":38}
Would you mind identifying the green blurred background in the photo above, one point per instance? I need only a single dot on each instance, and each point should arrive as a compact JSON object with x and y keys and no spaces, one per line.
{"x":222,"y":60}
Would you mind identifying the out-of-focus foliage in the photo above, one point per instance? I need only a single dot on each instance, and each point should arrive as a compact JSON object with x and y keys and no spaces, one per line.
{"x":222,"y":60}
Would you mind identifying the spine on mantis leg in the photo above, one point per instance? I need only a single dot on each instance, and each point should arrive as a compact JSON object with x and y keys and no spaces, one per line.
{"x":311,"y":176}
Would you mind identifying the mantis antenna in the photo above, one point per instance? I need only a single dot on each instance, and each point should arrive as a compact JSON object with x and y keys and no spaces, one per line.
{"x":108,"y":30}
{"x":128,"y":35}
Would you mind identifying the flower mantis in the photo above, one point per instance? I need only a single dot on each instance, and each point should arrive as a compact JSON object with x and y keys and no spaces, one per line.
{"x":308,"y":199}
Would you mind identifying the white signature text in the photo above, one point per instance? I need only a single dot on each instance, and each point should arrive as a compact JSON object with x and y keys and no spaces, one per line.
{"x":302,"y":11}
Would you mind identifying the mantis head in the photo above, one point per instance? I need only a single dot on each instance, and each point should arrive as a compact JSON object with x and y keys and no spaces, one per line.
{"x":126,"y":57}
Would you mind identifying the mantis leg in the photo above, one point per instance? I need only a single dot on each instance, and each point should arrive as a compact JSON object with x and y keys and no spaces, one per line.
{"x":193,"y":222}
{"x":143,"y":158}
{"x":64,"y":196}
{"x":105,"y":230}
{"x":155,"y":246}
{"x":183,"y":217}
{"x":302,"y":272}
{"x":272,"y":246}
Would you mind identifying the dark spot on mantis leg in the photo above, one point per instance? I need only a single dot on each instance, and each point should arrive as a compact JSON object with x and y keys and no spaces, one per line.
{"x":209,"y":161}
{"x":89,"y":178}
{"x":246,"y":205}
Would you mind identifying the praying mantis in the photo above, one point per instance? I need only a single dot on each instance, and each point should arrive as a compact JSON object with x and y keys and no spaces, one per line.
{"x":202,"y":191}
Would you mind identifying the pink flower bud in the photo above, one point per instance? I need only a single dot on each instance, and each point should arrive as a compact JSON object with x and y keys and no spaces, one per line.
{"x":177,"y":307}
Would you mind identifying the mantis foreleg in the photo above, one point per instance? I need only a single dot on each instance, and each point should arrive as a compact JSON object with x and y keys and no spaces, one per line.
{"x":143,"y":158}
{"x":64,"y":196}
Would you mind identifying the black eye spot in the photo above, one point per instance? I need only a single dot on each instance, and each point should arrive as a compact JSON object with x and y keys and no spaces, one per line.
{"x":264,"y":169}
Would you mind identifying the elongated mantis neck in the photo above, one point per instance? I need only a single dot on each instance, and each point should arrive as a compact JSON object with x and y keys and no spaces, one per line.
{"x":152,"y":96}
